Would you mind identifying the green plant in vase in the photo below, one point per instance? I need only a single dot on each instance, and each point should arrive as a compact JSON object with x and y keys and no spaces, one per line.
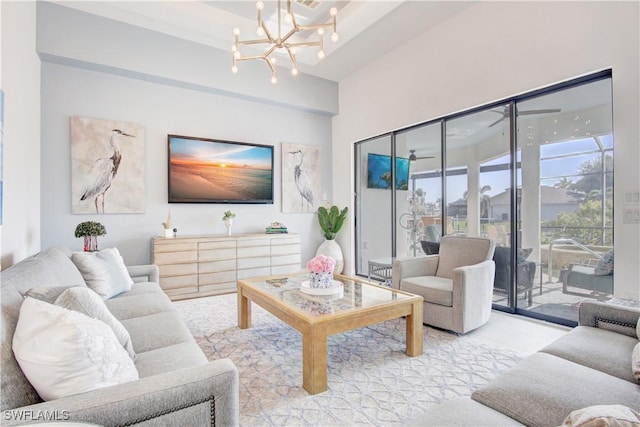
{"x":90,"y":230}
{"x":227,"y":218}
{"x":331,"y":222}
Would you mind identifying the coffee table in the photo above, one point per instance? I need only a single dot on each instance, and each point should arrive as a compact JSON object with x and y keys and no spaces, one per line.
{"x":318,"y":316}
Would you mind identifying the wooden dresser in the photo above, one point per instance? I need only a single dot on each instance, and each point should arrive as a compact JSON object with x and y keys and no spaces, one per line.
{"x":195,"y":266}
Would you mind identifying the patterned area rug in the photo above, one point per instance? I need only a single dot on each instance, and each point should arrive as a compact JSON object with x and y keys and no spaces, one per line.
{"x":371,"y":381}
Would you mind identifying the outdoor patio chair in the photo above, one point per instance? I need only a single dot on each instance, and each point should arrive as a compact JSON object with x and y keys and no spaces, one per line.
{"x":525,"y":273}
{"x":456,"y":284}
{"x":595,"y":278}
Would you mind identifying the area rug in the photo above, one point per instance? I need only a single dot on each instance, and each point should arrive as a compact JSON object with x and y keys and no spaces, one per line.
{"x":371,"y":380}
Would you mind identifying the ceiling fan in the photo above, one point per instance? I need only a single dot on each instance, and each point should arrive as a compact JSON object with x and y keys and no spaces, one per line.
{"x":505,"y":113}
{"x":413,"y":157}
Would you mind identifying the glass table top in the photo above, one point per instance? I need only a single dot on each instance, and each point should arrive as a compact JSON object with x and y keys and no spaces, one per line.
{"x":357,"y":295}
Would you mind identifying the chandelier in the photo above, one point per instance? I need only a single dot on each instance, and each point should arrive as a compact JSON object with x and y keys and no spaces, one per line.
{"x":281,"y":41}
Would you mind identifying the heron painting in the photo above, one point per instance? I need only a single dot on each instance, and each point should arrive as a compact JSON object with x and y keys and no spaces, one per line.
{"x":107,"y":166}
{"x":301,"y":178}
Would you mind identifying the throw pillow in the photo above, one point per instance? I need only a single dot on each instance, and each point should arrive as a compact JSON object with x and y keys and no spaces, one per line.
{"x":638,"y":328}
{"x":605,"y":265}
{"x":86,"y":301}
{"x":104,"y":271}
{"x":635,"y":361}
{"x":46,"y":293}
{"x":63,"y":352}
{"x":602,"y":415}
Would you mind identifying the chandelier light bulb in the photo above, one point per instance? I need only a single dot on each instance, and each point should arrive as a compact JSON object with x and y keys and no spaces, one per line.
{"x":282,"y":40}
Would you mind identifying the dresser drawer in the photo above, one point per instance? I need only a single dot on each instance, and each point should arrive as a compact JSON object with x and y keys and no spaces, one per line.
{"x":286,"y":259}
{"x":190,"y":280}
{"x":174,"y":257}
{"x":219,"y":277}
{"x":253,"y":262}
{"x":216,"y":266}
{"x":178,"y":269}
{"x":216,"y":254}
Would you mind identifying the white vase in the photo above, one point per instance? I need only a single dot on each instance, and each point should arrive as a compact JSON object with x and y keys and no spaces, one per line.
{"x":332,"y":249}
{"x":228,"y":223}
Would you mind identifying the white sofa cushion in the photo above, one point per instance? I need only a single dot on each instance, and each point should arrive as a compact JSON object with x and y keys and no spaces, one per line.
{"x":104,"y":271}
{"x":64,"y":352}
{"x":86,"y":301}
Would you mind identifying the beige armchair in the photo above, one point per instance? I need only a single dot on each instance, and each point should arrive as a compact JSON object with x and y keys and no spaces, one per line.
{"x":456,"y":284}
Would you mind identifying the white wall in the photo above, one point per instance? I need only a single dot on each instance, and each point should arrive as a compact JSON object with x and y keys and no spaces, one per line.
{"x":491,"y":51}
{"x":68,"y":91}
{"x":21,"y":164}
{"x":99,"y":68}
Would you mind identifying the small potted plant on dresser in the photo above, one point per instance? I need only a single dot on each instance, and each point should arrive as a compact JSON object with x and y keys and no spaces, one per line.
{"x":331,"y":221}
{"x":90,"y":230}
{"x":227,"y":218}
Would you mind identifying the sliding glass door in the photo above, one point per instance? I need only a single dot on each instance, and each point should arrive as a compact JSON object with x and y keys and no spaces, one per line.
{"x":534,"y":173}
{"x":419,"y":205}
{"x":374,"y":177}
{"x":566,"y":199}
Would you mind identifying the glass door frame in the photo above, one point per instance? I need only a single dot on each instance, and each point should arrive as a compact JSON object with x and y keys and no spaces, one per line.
{"x":514,"y":204}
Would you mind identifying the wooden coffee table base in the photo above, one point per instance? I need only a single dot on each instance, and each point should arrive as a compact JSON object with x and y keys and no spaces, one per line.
{"x":315,"y":330}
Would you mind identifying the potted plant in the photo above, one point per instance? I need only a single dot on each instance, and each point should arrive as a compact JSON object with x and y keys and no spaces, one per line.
{"x":90,"y":230}
{"x":227,"y":218}
{"x":331,"y":222}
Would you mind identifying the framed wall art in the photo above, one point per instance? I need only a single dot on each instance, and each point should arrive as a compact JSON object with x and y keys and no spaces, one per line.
{"x":301,"y":178}
{"x":107,"y":166}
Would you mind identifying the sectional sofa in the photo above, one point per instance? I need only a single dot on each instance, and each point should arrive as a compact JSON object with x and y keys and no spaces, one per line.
{"x":589,"y":367}
{"x":177,"y":385}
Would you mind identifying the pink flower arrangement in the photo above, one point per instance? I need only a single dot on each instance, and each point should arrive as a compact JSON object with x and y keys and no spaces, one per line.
{"x":321,"y":264}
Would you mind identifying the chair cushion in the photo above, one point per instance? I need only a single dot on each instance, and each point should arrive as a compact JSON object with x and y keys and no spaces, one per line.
{"x":456,"y":251}
{"x":436,"y":290}
{"x":605,"y":265}
{"x":64,"y":352}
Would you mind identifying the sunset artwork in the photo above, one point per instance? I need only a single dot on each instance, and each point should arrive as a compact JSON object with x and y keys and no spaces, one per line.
{"x":210,"y":171}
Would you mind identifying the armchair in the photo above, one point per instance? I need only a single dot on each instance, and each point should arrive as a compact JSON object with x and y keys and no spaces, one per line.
{"x":456,"y":284}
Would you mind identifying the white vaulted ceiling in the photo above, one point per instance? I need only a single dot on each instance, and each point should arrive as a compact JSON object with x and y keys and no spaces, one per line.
{"x":367,"y":29}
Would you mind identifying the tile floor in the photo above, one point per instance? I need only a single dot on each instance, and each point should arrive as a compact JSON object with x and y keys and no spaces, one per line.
{"x":518,"y":333}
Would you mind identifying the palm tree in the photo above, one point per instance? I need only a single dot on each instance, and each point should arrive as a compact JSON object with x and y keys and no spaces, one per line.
{"x":565,"y":183}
